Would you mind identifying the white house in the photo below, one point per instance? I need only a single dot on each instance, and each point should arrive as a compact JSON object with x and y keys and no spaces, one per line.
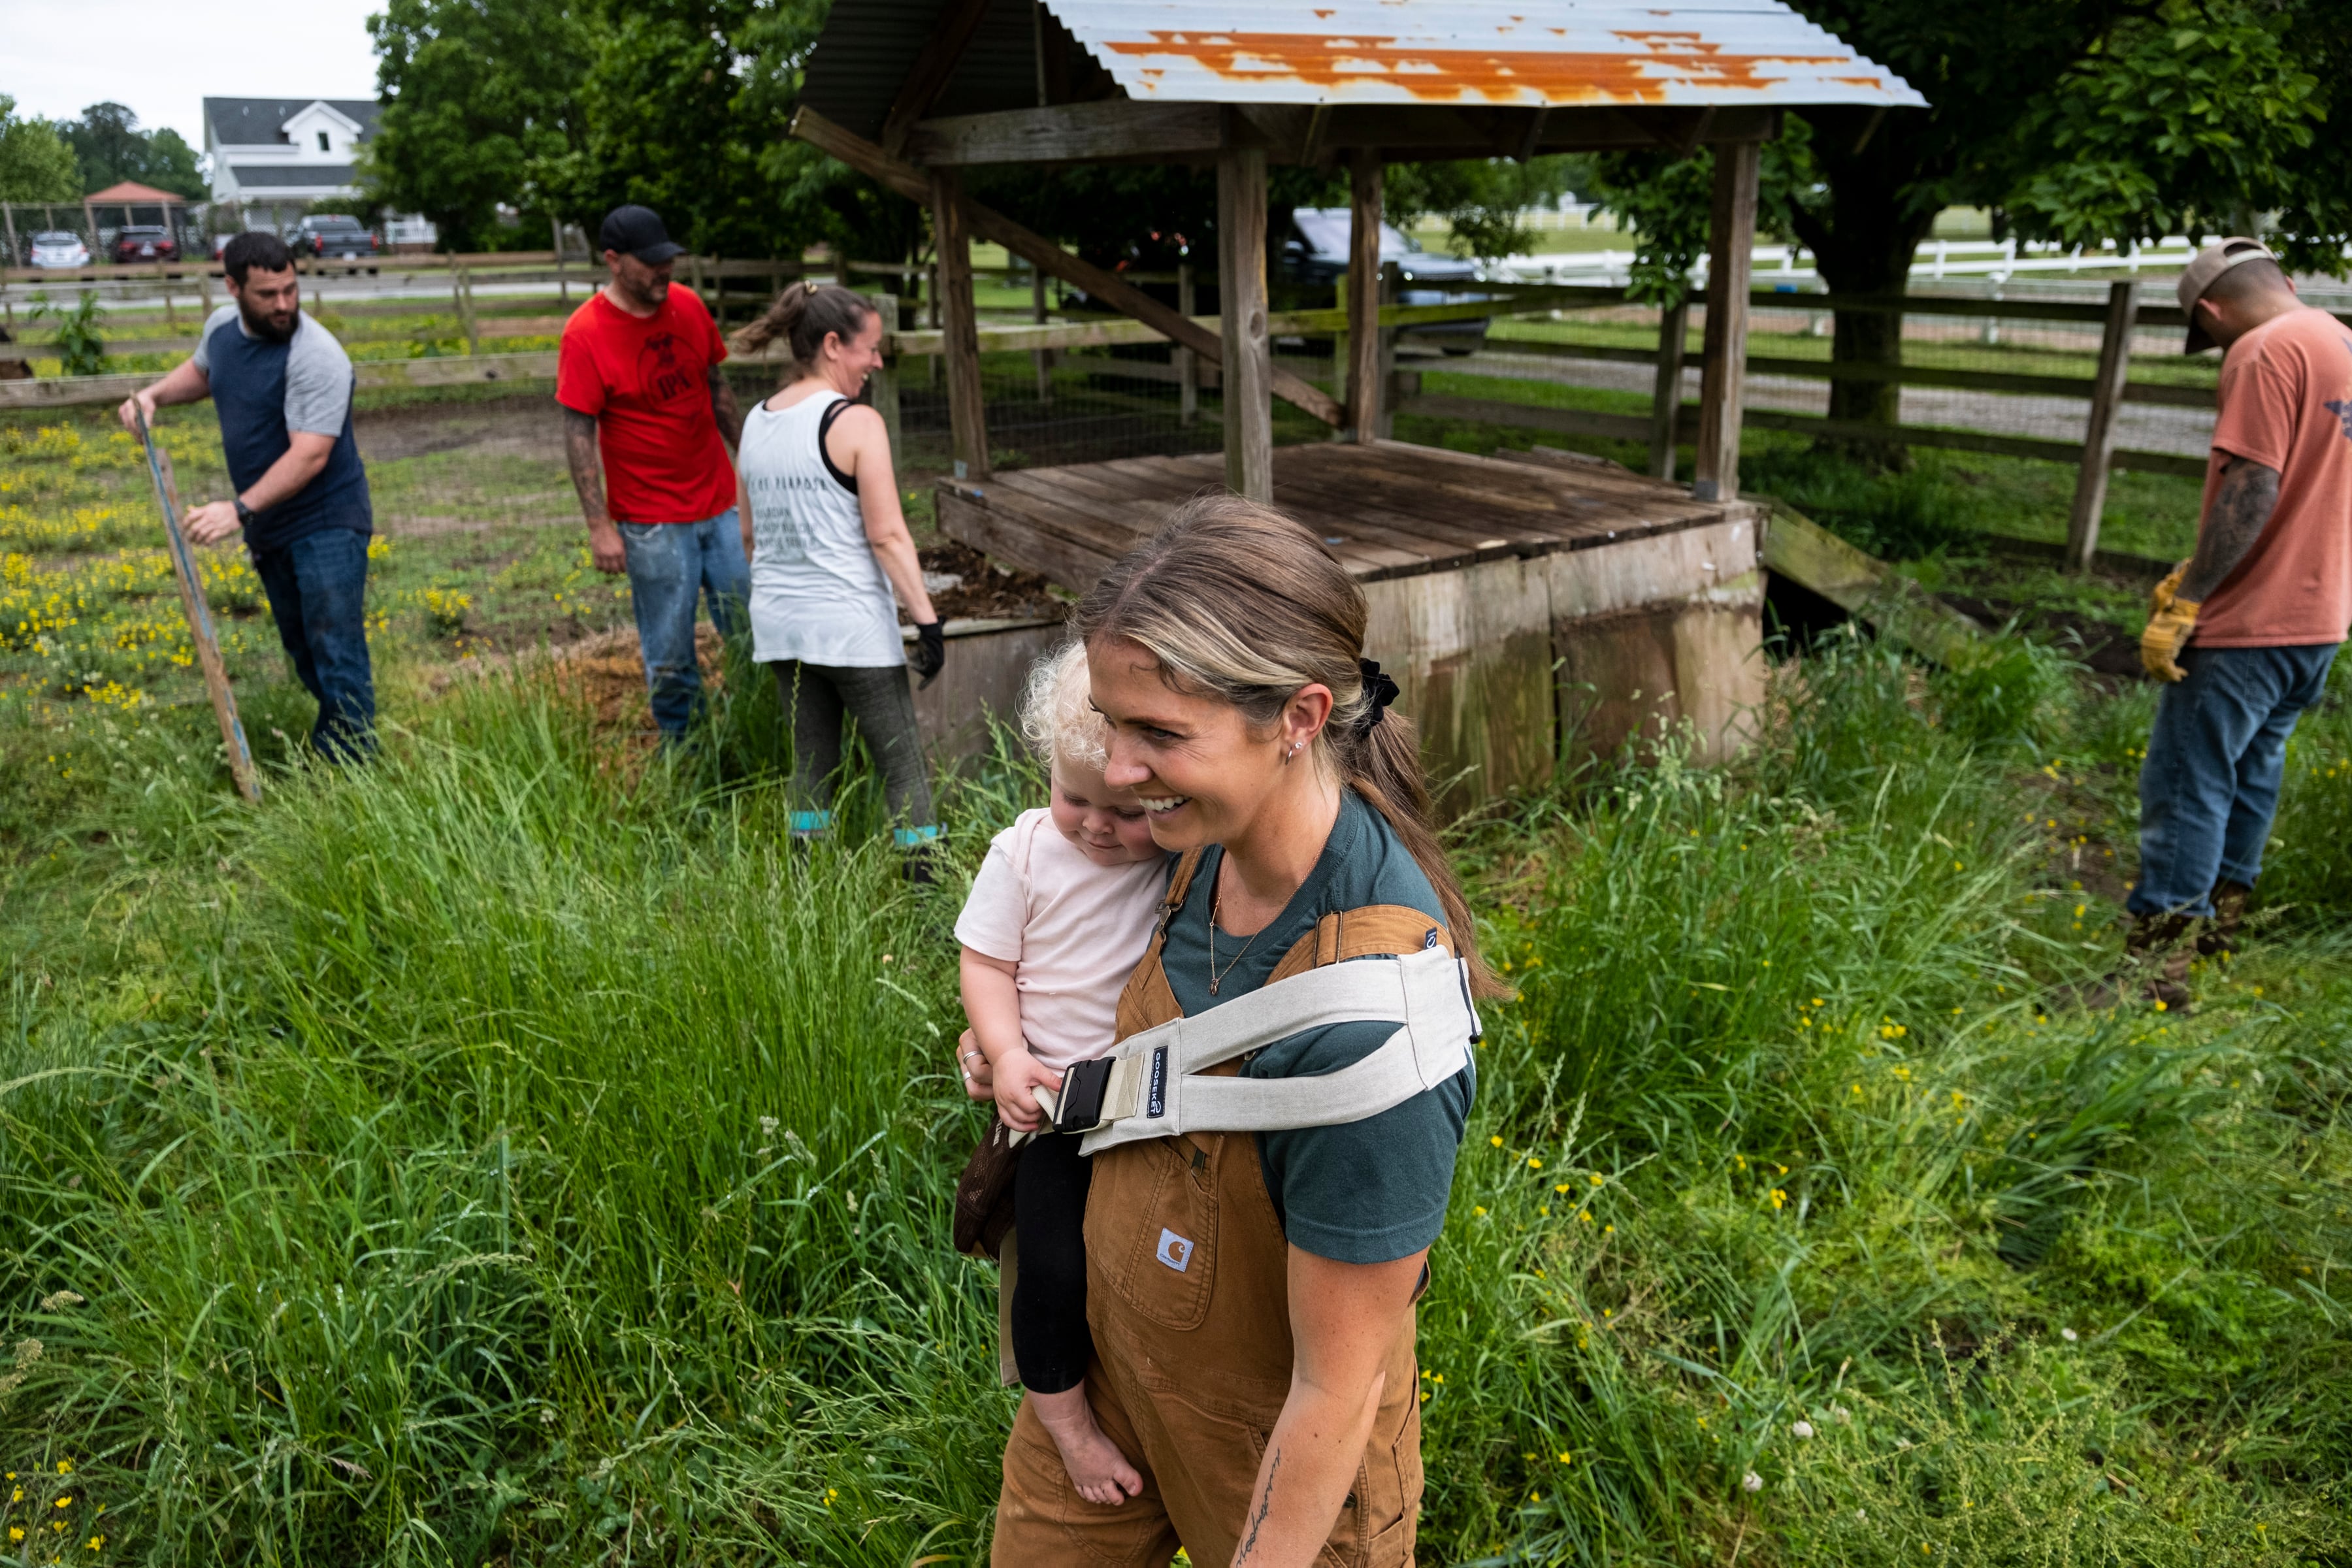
{"x":284,"y":156}
{"x":285,"y":149}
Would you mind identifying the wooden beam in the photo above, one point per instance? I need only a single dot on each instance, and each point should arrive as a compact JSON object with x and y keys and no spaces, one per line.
{"x":1247,"y":361}
{"x":1798,"y":548}
{"x":1731,"y":236}
{"x":1068,"y":133}
{"x":1532,"y":138}
{"x":957,"y":20}
{"x":960,"y":321}
{"x":1666,"y":396}
{"x":2099,"y":437}
{"x":1366,"y":179}
{"x":986,"y":223}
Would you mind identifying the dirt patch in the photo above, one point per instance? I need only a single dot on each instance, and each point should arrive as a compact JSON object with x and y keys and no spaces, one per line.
{"x":514,"y":427}
{"x":981,"y":590}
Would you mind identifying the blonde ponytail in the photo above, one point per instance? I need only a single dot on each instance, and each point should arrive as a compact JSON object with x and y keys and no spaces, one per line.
{"x":1238,"y":602}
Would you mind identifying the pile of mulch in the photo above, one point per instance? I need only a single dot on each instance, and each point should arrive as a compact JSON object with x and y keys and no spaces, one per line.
{"x":982,"y":591}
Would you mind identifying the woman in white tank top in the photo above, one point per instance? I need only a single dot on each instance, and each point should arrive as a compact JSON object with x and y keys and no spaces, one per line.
{"x":829,"y":545}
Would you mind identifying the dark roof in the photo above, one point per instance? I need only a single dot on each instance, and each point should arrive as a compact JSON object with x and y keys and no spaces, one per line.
{"x":867,"y":50}
{"x":254,"y":121}
{"x":262,"y":177}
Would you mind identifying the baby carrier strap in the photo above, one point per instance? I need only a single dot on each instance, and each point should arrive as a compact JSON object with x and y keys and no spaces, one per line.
{"x":1169,"y":1074}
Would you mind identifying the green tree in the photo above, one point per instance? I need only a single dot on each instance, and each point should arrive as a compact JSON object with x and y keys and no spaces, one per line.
{"x":36,"y":166}
{"x":2073,"y":119}
{"x":110,"y":148}
{"x":477,"y":101}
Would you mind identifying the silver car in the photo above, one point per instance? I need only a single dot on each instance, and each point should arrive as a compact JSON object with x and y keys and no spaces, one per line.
{"x":56,"y":248}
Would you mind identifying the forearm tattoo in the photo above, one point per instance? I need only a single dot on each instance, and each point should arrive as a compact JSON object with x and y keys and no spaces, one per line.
{"x":723,"y":409}
{"x":2241,"y":510}
{"x":1265,"y":1507}
{"x":580,"y":448}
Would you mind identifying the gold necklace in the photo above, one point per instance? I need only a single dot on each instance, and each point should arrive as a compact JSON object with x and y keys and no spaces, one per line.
{"x":1216,"y":904}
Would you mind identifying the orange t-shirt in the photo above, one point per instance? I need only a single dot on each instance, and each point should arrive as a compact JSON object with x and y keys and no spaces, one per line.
{"x":2287,"y":404}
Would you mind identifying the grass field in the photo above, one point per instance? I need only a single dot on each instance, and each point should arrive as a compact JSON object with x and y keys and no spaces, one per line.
{"x":507,"y":1154}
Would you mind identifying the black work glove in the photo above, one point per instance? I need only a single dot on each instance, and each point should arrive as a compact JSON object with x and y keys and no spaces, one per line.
{"x":931,"y":653}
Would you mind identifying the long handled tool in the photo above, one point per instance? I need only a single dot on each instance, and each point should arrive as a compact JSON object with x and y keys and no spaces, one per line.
{"x":200,"y":621}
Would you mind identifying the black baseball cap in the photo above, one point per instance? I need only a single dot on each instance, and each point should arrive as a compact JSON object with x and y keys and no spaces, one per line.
{"x":637,"y":231}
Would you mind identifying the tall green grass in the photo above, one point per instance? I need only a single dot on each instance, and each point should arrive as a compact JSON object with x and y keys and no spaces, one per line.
{"x":495,"y":1156}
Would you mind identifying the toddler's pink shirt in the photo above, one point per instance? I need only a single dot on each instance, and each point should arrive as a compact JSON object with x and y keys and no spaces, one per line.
{"x":1075,"y":929}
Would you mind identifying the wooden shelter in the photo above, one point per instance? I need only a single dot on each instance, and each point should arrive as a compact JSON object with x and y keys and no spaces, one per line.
{"x":912,"y":92}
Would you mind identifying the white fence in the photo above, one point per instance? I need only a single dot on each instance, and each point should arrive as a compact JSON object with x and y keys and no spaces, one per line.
{"x":1996,"y":261}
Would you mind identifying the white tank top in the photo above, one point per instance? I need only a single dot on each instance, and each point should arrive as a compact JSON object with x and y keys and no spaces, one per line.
{"x":818,"y":594}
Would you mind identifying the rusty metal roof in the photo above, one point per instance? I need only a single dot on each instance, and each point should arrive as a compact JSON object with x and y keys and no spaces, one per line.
{"x":1533,"y":54}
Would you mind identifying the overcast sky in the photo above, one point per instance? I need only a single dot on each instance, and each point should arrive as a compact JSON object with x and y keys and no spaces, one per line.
{"x":165,"y":58}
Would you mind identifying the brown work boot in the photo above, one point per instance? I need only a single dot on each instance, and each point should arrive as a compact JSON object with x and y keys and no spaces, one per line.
{"x":2155,"y":967}
{"x":2220,"y":937}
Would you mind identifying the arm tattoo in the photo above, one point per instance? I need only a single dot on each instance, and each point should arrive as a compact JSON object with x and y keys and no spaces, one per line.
{"x":1265,"y":1507}
{"x":723,"y":409}
{"x":2241,"y":510}
{"x":580,"y":448}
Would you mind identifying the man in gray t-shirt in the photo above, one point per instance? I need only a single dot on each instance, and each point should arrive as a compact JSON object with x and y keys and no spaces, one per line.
{"x":282,"y":386}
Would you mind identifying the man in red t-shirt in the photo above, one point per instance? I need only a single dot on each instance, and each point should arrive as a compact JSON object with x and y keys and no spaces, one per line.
{"x":2244,"y":630}
{"x":638,"y":379}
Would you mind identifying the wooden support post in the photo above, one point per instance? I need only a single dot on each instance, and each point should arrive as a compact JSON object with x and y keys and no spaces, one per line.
{"x":961,"y":340}
{"x":562,"y":284}
{"x":8,"y":212}
{"x":931,"y":319}
{"x":1666,"y":400}
{"x":1362,"y":384}
{"x":1246,"y":354}
{"x":1188,"y":363}
{"x":171,"y":310}
{"x":461,"y":298}
{"x":1042,"y":359}
{"x":1384,"y":417}
{"x":1731,"y":241}
{"x":2099,"y":437}
{"x":882,"y":387}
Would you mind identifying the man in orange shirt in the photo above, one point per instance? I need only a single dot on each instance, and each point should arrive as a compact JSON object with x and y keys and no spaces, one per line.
{"x":2244,"y":630}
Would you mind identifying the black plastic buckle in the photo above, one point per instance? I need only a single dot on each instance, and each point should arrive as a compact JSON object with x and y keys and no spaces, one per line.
{"x":1083,"y":1086}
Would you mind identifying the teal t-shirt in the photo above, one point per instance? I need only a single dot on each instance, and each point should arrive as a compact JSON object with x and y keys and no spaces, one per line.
{"x":1365,"y":1192}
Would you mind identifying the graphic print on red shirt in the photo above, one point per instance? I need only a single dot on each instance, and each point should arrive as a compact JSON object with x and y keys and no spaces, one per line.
{"x":646,"y":382}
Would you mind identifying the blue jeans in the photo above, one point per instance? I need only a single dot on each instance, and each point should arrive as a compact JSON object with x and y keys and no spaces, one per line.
{"x":318,"y":594}
{"x":669,"y":564}
{"x":2210,"y":785}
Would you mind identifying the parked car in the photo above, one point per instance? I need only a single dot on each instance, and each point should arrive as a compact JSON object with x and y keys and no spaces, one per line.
{"x":1317,"y":255}
{"x":144,"y":242}
{"x":58,"y":247}
{"x":324,"y":235}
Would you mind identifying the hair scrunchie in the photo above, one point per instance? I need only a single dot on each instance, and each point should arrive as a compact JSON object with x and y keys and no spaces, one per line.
{"x":1379,"y":690}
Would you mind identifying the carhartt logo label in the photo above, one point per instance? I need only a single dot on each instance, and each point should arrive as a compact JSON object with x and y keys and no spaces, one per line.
{"x":1175,"y":1251}
{"x":1155,"y":1100}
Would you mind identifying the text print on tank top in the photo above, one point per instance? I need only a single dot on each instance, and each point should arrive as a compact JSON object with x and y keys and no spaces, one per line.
{"x":817,"y":592}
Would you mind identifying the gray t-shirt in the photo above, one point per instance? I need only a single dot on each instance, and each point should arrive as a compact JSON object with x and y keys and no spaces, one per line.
{"x":1364,"y":1192}
{"x":318,"y":372}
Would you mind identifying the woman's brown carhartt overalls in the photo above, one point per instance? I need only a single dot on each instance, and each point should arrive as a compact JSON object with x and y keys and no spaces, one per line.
{"x":1188,"y":1296}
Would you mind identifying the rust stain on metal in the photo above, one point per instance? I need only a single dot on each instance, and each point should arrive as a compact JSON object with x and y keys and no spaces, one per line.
{"x":1505,"y":76}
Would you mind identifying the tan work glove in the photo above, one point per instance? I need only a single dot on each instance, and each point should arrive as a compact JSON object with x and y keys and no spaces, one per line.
{"x":2170,"y":619}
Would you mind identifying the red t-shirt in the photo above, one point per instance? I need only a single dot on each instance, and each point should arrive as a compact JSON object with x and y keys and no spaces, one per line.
{"x":2287,"y":404}
{"x":646,"y":380}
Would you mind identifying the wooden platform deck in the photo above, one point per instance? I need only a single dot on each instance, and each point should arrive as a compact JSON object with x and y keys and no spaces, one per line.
{"x":1534,"y":607}
{"x":1386,"y":509}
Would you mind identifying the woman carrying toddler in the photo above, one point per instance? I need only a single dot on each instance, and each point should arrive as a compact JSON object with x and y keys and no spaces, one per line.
{"x":1058,"y":916}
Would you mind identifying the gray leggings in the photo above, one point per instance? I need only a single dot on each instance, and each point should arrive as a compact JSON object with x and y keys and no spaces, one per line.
{"x":816,"y":695}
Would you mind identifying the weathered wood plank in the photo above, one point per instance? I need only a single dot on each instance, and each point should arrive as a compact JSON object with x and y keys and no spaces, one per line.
{"x":1666,"y":392}
{"x":2099,"y":436}
{"x":1246,"y":355}
{"x":1068,"y":133}
{"x":1805,"y":552}
{"x":1722,"y":355}
{"x":1364,"y":391}
{"x":1007,"y":536}
{"x":959,"y":325}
